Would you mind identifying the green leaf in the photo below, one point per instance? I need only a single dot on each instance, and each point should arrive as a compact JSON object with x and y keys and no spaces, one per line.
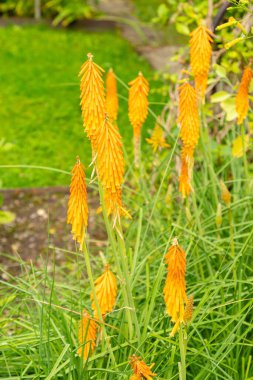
{"x":220,"y":96}
{"x":228,"y":106}
{"x":220,"y":71}
{"x":182,"y":29}
{"x":6,"y":217}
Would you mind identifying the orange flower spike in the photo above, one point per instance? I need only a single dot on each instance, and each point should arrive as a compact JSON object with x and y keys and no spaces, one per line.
{"x":242,"y":98}
{"x":111,"y":101}
{"x":200,"y":56}
{"x":138,"y":103}
{"x":184,"y":179}
{"x":92,"y":98}
{"x":110,"y":161}
{"x":106,"y":292}
{"x":77,"y":204}
{"x":141,"y":369}
{"x":86,"y":335}
{"x":188,"y":118}
{"x":175,"y":286}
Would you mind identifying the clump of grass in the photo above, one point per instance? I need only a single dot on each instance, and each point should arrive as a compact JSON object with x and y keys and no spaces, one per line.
{"x":43,"y":307}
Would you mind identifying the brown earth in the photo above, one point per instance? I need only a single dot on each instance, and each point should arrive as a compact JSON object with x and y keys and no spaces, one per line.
{"x":40,"y":226}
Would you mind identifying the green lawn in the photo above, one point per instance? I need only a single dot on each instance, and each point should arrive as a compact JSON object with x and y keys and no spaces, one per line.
{"x":39,"y":98}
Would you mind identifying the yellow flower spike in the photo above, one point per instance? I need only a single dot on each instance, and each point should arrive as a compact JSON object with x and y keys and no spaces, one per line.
{"x":225,"y":194}
{"x":77,"y":204}
{"x":138,"y":103}
{"x":188,"y":118}
{"x":242,"y":98}
{"x":92,"y":98}
{"x":184,"y":179}
{"x":138,"y":108}
{"x":106,"y":292}
{"x":175,"y":287}
{"x":111,"y":101}
{"x":141,"y":369}
{"x":240,"y":146}
{"x":200,"y":56}
{"x":157,"y":140}
{"x":86,"y":335}
{"x":188,"y":310}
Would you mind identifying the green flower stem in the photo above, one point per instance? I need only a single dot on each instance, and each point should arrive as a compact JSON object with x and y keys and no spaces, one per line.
{"x":182,"y":347}
{"x":123,"y":256}
{"x":100,"y":318}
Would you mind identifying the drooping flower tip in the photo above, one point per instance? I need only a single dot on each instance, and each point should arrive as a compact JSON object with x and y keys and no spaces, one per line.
{"x":141,"y":369}
{"x":77,"y":214}
{"x":86,"y":335}
{"x":184,"y":178}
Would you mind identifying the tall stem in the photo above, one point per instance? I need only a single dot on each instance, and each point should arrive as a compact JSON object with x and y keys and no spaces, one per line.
{"x":182,"y":346}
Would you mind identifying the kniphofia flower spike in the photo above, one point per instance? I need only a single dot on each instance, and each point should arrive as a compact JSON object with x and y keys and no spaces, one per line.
{"x":141,"y":369}
{"x":77,"y":204}
{"x":106,"y":292}
{"x":175,"y":286}
{"x":86,"y":335}
{"x":200,"y":56}
{"x":242,"y":98}
{"x":188,"y":118}
{"x":138,"y":109}
{"x":92,"y":98}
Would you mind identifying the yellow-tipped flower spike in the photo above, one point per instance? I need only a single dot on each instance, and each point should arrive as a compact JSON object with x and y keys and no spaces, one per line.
{"x":138,"y":103}
{"x":77,"y":204}
{"x":200,"y":56}
{"x":225,"y":194}
{"x":188,"y":310}
{"x":157,"y":140}
{"x":86,"y":335}
{"x":110,"y":161}
{"x":188,"y":118}
{"x":106,"y":292}
{"x":92,"y":98}
{"x":184,"y":179}
{"x":175,"y":286}
{"x":141,"y":369}
{"x":242,"y":98}
{"x":111,"y":101}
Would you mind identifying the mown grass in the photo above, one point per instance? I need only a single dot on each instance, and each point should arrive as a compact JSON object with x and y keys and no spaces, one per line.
{"x":39,"y":100}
